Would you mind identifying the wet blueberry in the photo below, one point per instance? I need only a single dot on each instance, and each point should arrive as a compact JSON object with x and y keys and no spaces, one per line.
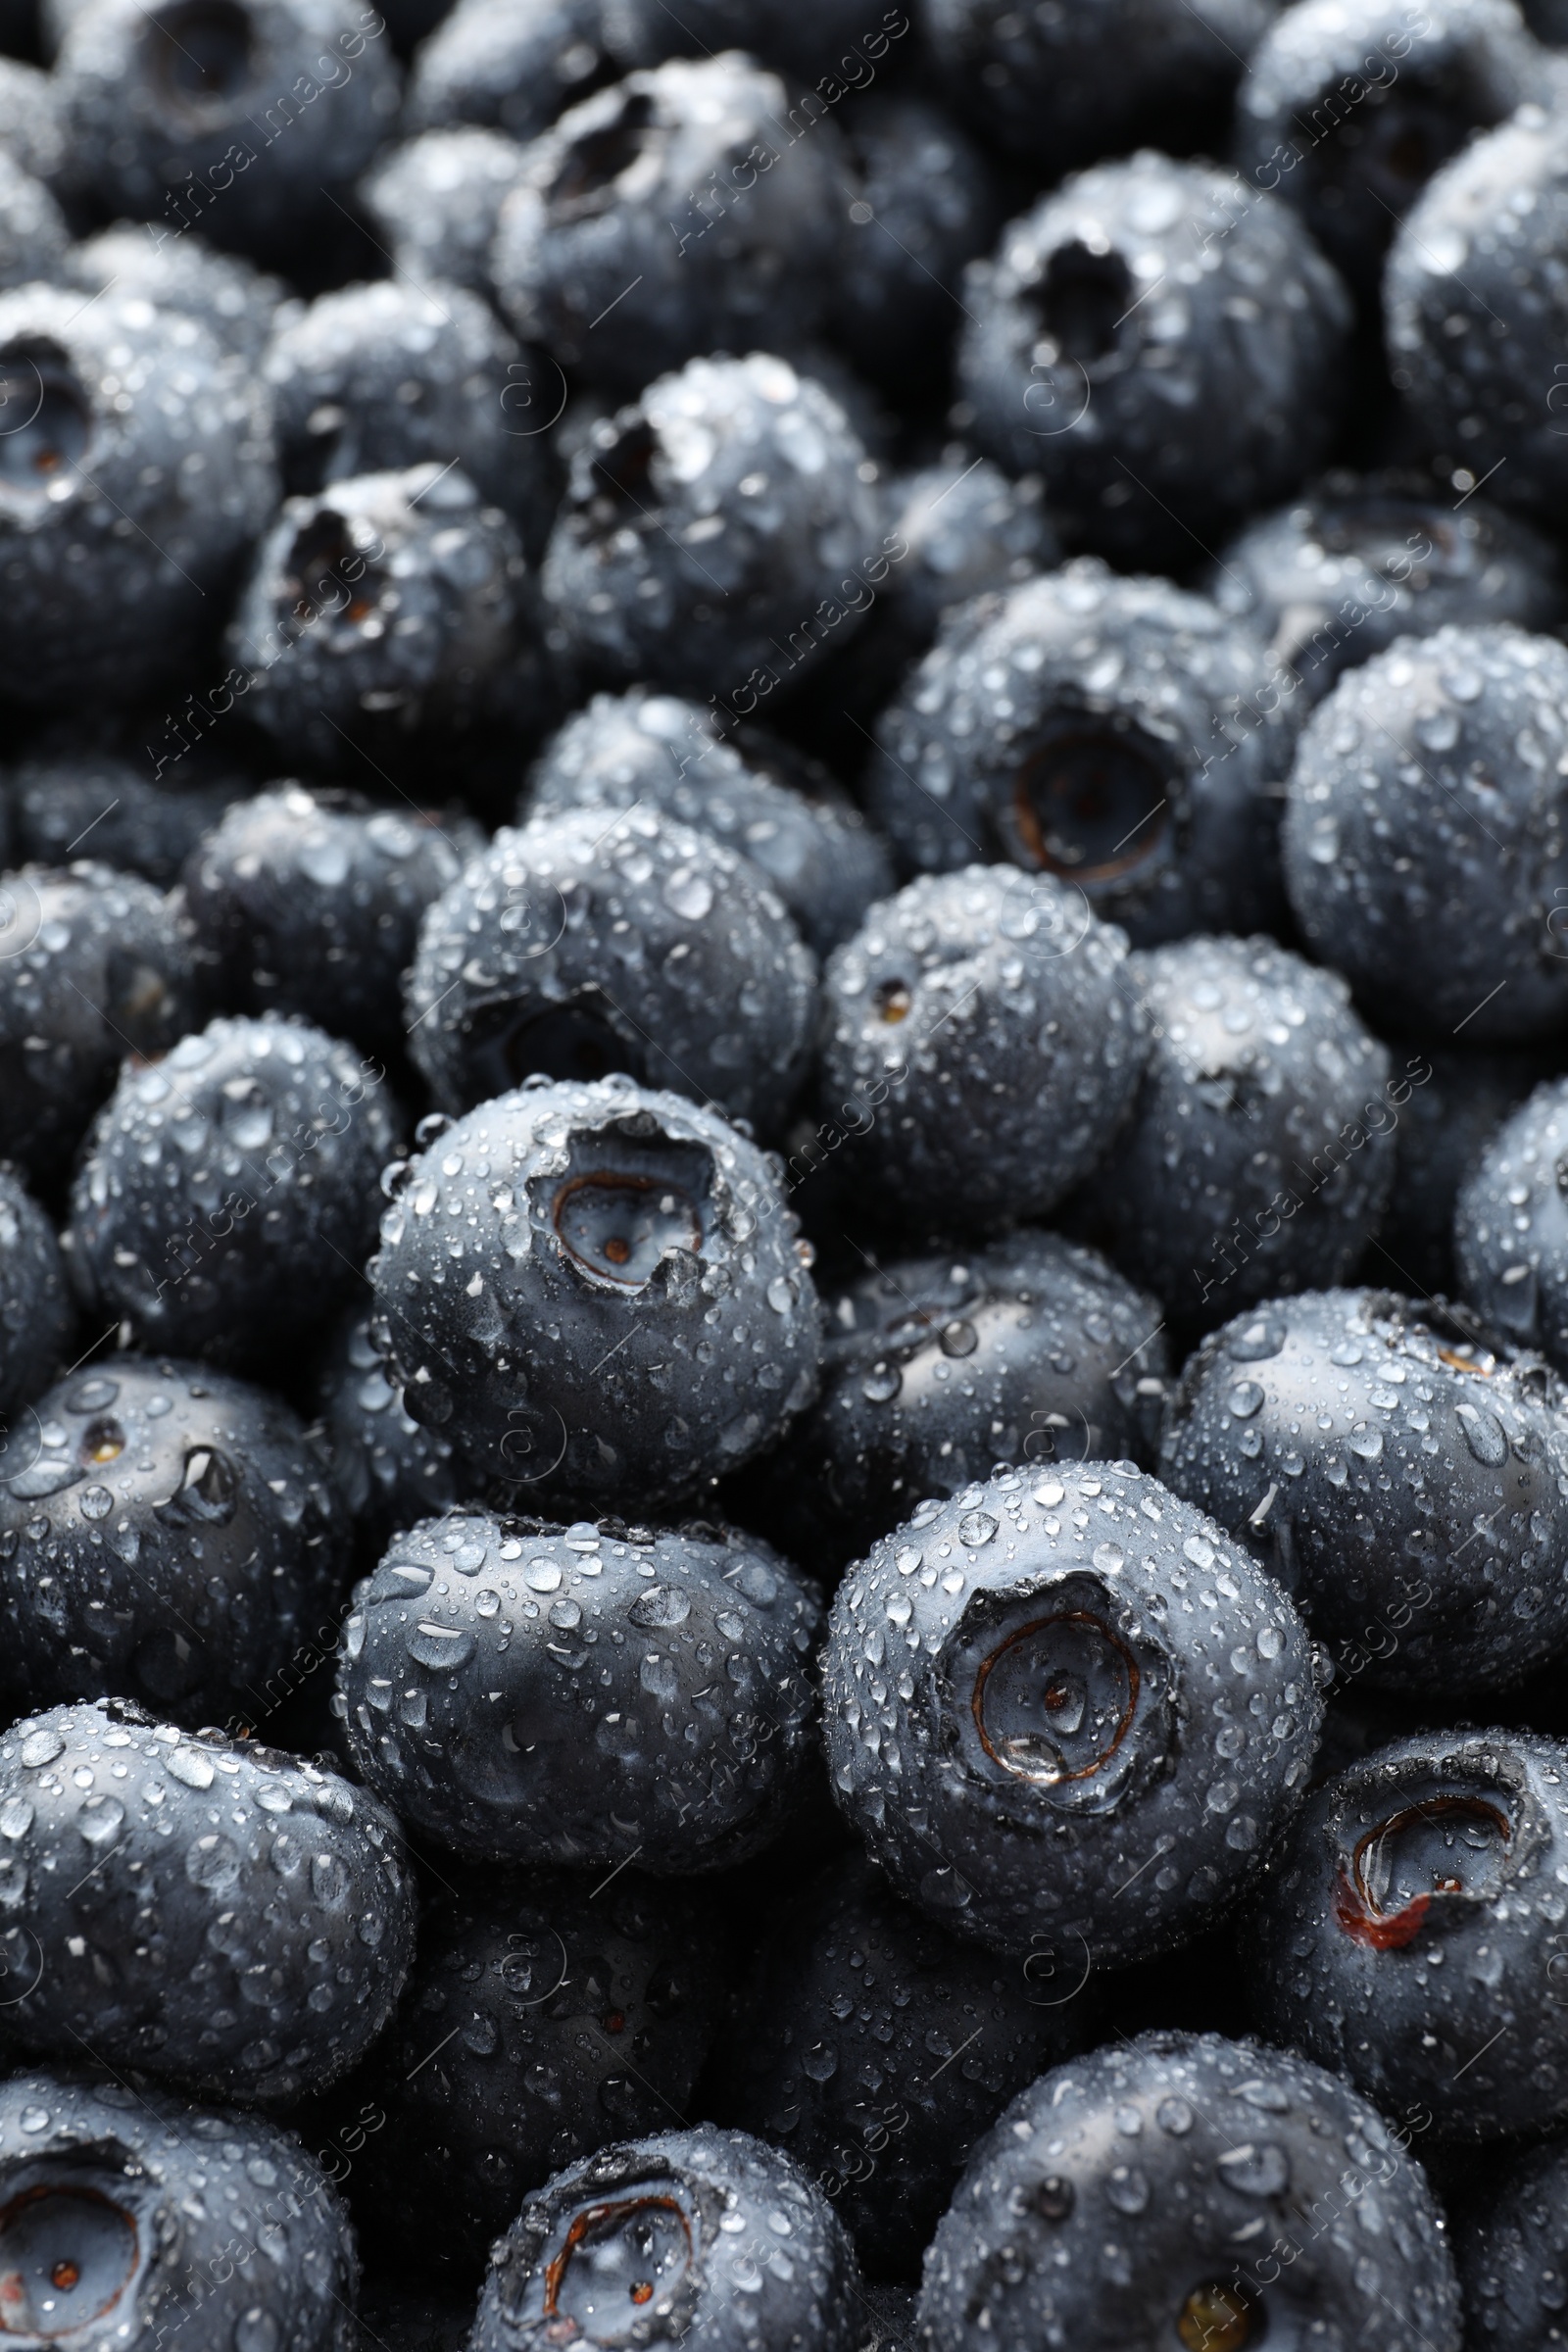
{"x":141,"y":810}
{"x":1402,"y":1479}
{"x":390,"y":1472}
{"x":37,"y":1313}
{"x":584,"y":1695}
{"x":597,"y":1291}
{"x":195,"y":1906}
{"x":1511,"y":1227}
{"x":436,"y":198}
{"x":1185,"y":2190}
{"x":710,"y":2238}
{"x":168,"y":1534}
{"x":235,"y":302}
{"x":986,"y":1024}
{"x":226,"y":1199}
{"x":514,"y":65}
{"x":1066,"y":1716}
{"x":587,"y":943}
{"x":1511,"y":2249}
{"x":1410,"y":1937}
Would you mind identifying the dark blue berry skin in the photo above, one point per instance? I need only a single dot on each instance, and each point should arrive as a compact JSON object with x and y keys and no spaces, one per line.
{"x":1334,"y":578}
{"x":742,"y":2251}
{"x":238,"y":120}
{"x":1346,"y":115}
{"x":588,"y":942}
{"x":514,"y":65}
{"x":656,"y":750}
{"x":1157,"y":420}
{"x":924,"y":204}
{"x":1062,"y":89}
{"x":1434,"y":893}
{"x":1422,"y":1529}
{"x":226,"y":1200}
{"x":1447,"y":1123}
{"x":1410,"y":1935}
{"x":182,"y":2224}
{"x":37,"y":1316}
{"x":1510,"y":1234}
{"x":683,"y":1746}
{"x":1511,"y":2248}
{"x":234,"y":301}
{"x":384,"y":603}
{"x":309,"y":902}
{"x":969,"y":531}
{"x":1119,"y":733}
{"x":33,"y":237}
{"x":94,"y":966}
{"x":1476,"y":309}
{"x":677,"y":197}
{"x":96,"y":790}
{"x":128,"y":500}
{"x":1058,"y":1737}
{"x":571,"y":2012}
{"x":168,"y":1534}
{"x":202,"y":1908}
{"x":1187,"y":2188}
{"x":876,"y":2048}
{"x":985,"y":1022}
{"x":390,"y":1472}
{"x":1260,"y":1148}
{"x":435,"y":201}
{"x":662,"y":569}
{"x":935,"y":1367}
{"x":376,"y":379}
{"x":638,"y":1318}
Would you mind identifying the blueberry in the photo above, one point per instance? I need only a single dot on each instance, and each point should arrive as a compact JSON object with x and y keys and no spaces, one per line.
{"x":1510,"y":1234}
{"x":690,"y":148}
{"x":514,"y":65}
{"x":389,"y":1470}
{"x":1476,"y":312}
{"x":924,"y":204}
{"x":29,"y":117}
{"x":1402,"y":1479}
{"x":708,"y":2237}
{"x":984,"y":1022}
{"x":225,"y":1200}
{"x":1410,"y":1937}
{"x":1444,"y":1128}
{"x":1334,"y":578}
{"x":1511,"y":2247}
{"x":195,"y":1508}
{"x":1182,"y":2189}
{"x":37,"y":1313}
{"x":229,"y":297}
{"x":309,"y":902}
{"x":376,"y":378}
{"x":718,"y":529}
{"x":436,"y":198}
{"x":239,"y":116}
{"x":1347,"y":116}
{"x":572,"y":2012}
{"x":969,"y":531}
{"x":199,"y":1907}
{"x":1049,"y":1752}
{"x":686,"y":1745}
{"x":639,"y":1317}
{"x":1156,"y":423}
{"x":138,"y":471}
{"x":1064,"y":88}
{"x":1261,"y":1149}
{"x":1121,"y":734}
{"x":72,"y":787}
{"x":935,"y":1367}
{"x":588,"y":943}
{"x":381,"y":605}
{"x":94,"y":966}
{"x":33,"y":236}
{"x":126,"y":2212}
{"x":655,"y":749}
{"x":876,"y":2048}
{"x":1438,"y":908}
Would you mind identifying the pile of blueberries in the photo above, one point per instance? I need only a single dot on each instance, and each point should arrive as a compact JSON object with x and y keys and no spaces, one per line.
{"x":784,"y":1175}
